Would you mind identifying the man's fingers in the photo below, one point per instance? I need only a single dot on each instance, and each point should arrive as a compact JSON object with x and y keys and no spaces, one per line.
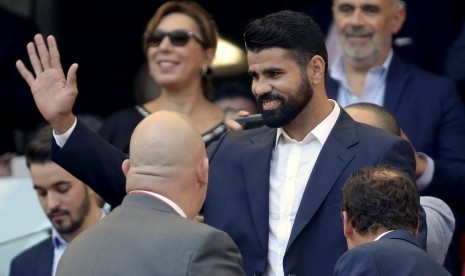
{"x":242,"y":113}
{"x":34,"y":58}
{"x":233,"y":125}
{"x":54,"y":53}
{"x":71,"y":78}
{"x":44,"y":55}
{"x":26,"y":74}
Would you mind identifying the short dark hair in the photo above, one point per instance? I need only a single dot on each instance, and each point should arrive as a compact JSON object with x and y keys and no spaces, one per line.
{"x":384,"y":118}
{"x":294,"y":31}
{"x":38,"y":149}
{"x":379,"y":196}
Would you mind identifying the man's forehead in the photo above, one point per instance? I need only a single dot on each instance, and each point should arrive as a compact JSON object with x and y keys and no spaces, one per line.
{"x":362,"y":2}
{"x":271,"y":57}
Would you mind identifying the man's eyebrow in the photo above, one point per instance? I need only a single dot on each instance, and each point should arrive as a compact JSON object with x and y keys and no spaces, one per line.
{"x":371,"y":7}
{"x":272,"y":70}
{"x":252,"y":73}
{"x":58,"y":183}
{"x":345,"y":5}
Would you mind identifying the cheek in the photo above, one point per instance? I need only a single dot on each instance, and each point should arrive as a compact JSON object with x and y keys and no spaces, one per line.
{"x":150,"y":57}
{"x":43,"y":202}
{"x":285,"y":84}
{"x":253,"y":87}
{"x":192,"y":58}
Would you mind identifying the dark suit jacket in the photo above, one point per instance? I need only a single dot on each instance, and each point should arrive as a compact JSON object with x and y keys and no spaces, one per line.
{"x":396,"y":253}
{"x":237,"y":197}
{"x":34,"y":261}
{"x":431,"y":113}
{"x":144,"y":236}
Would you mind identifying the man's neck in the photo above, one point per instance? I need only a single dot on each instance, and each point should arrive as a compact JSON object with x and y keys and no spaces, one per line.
{"x":356,"y":71}
{"x":308,"y":119}
{"x":359,"y":239}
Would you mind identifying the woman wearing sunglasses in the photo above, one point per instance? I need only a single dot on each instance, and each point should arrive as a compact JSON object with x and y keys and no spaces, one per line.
{"x":180,"y":43}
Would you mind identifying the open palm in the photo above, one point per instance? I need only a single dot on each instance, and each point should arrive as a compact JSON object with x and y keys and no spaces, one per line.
{"x":54,"y":94}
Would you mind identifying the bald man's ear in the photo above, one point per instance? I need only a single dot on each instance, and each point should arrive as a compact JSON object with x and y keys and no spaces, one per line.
{"x":202,"y":172}
{"x":126,"y":166}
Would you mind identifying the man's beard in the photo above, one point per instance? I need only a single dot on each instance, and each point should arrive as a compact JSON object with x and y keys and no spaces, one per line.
{"x":74,"y":224}
{"x":289,"y":109}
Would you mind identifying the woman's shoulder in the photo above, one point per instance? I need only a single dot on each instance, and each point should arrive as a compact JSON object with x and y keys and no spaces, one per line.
{"x":118,"y":127}
{"x":126,"y":115}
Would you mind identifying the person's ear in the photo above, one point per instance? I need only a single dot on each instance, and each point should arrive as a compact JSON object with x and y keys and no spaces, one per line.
{"x":316,"y":70}
{"x":202,"y":172}
{"x":209,"y":56}
{"x":126,"y":166}
{"x":399,"y":17}
{"x":348,"y":228}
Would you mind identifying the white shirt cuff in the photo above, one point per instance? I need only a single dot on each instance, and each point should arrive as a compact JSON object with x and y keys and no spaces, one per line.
{"x":62,"y":138}
{"x":425,"y":179}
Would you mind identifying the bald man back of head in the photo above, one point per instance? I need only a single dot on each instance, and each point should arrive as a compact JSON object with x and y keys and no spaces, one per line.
{"x":374,"y":115}
{"x":167,"y":156}
{"x":148,"y":234}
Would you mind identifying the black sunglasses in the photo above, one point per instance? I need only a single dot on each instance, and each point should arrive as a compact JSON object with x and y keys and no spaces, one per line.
{"x":177,"y":38}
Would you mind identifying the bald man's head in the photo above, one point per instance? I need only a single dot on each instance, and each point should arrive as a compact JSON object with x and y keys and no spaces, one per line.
{"x":165,"y":139}
{"x":167,"y":156}
{"x":374,"y":115}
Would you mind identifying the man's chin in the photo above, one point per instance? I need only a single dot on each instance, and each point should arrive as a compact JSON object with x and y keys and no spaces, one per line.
{"x":274,"y":122}
{"x":61,"y":227}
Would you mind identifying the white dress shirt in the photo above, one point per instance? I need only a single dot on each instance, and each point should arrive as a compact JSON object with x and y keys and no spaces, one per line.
{"x":291,"y":165}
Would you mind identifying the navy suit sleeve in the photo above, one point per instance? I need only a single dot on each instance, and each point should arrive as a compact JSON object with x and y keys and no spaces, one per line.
{"x":356,"y":262}
{"x":455,"y":60}
{"x":95,"y":162}
{"x":449,"y":173}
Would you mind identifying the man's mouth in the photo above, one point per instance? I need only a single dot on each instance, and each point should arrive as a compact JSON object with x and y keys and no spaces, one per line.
{"x":270,"y":104}
{"x":57,"y":215}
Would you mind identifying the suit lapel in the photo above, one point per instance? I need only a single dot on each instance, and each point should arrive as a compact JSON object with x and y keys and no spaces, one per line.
{"x":332,"y":160}
{"x":257,"y":155}
{"x":45,"y":259}
{"x":395,"y":82}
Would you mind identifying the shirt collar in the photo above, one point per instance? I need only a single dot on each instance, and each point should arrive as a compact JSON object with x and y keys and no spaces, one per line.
{"x":320,"y":132}
{"x":166,"y":200}
{"x":380,"y":236}
{"x":57,"y":240}
{"x":337,"y":70}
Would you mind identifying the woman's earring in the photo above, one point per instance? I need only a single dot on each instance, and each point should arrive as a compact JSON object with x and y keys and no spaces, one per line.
{"x":204,"y":72}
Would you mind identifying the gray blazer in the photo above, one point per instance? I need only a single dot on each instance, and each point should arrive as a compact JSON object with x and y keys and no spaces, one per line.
{"x":144,"y":236}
